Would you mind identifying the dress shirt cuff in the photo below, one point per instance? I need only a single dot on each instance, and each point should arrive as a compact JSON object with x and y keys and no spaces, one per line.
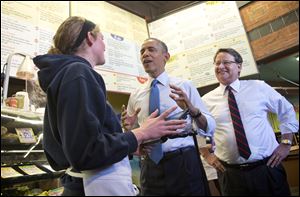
{"x":291,"y":128}
{"x":211,"y":125}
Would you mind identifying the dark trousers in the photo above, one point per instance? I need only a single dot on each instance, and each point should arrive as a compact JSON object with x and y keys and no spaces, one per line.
{"x":178,"y":173}
{"x":70,"y":192}
{"x":72,"y":186}
{"x":258,"y":181}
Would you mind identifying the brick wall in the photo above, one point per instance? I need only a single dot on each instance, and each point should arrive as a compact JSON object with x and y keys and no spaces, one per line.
{"x":276,"y":42}
{"x":258,"y":13}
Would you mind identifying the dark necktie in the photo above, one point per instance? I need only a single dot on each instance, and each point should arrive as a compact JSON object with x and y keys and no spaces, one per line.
{"x":239,"y":131}
{"x":156,"y":153}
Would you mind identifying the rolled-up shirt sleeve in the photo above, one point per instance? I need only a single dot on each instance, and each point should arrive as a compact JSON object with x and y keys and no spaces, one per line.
{"x":284,"y":110}
{"x":196,"y":100}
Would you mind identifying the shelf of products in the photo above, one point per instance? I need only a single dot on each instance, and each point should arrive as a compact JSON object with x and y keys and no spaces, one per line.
{"x":26,"y":172}
{"x":24,"y":167}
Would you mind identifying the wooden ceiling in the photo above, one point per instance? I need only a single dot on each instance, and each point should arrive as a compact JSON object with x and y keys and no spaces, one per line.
{"x":152,"y":10}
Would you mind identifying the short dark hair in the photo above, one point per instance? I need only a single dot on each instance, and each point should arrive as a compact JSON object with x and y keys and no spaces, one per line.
{"x":163,"y":45}
{"x":237,"y":57}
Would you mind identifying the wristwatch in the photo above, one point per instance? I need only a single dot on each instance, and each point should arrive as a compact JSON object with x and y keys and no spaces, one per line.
{"x":196,"y":115}
{"x":286,"y":142}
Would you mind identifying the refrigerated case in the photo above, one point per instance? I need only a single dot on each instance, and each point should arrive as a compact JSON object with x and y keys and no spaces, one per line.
{"x":24,"y":167}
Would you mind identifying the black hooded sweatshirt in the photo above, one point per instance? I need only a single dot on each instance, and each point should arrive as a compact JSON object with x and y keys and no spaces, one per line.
{"x":80,"y":128}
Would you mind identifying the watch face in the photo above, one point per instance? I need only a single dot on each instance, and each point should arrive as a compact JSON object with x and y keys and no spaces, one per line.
{"x":286,"y":141}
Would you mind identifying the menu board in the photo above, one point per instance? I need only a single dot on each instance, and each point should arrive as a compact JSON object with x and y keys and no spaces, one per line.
{"x":28,"y":27}
{"x":194,"y":35}
{"x":123,"y":35}
{"x":8,"y":172}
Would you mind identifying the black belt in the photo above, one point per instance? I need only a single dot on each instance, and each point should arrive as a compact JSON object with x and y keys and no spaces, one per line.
{"x":246,"y":166}
{"x":177,"y":152}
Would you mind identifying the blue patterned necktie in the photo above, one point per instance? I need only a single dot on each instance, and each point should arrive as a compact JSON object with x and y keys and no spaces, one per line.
{"x":239,"y":131}
{"x":156,"y":153}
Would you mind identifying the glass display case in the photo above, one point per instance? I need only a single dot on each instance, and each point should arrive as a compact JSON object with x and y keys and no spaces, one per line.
{"x":24,"y":167}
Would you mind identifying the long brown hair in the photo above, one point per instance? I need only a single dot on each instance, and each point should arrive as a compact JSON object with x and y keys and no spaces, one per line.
{"x":67,"y":34}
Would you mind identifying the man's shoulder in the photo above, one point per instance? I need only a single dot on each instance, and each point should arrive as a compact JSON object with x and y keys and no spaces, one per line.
{"x":181,"y":82}
{"x":140,"y":89}
{"x":176,"y":79}
{"x":252,"y":82}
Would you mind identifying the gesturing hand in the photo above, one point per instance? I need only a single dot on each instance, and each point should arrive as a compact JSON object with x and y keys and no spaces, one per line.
{"x":126,"y":120}
{"x":180,"y":97}
{"x":157,"y":126}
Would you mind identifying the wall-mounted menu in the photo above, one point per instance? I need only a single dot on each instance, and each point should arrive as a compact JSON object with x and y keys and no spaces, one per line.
{"x":195,"y":34}
{"x":192,"y":35}
{"x":28,"y":27}
{"x":123,"y":34}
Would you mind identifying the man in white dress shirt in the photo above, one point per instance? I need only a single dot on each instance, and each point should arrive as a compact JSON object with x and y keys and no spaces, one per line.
{"x":179,"y":171}
{"x":262,"y":173}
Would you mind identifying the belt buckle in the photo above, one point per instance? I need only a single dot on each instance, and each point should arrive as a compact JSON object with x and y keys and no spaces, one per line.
{"x":244,"y":166}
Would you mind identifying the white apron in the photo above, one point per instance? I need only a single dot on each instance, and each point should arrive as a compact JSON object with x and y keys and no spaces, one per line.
{"x":114,"y":180}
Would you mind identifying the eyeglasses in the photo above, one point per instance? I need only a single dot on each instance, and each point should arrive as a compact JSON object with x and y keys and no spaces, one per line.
{"x":225,"y":63}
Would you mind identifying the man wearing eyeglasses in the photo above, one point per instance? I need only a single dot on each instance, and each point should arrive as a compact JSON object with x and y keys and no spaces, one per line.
{"x":247,"y":155}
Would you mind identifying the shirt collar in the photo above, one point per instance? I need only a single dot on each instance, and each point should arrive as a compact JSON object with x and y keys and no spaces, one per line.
{"x":163,"y":79}
{"x":234,"y":85}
